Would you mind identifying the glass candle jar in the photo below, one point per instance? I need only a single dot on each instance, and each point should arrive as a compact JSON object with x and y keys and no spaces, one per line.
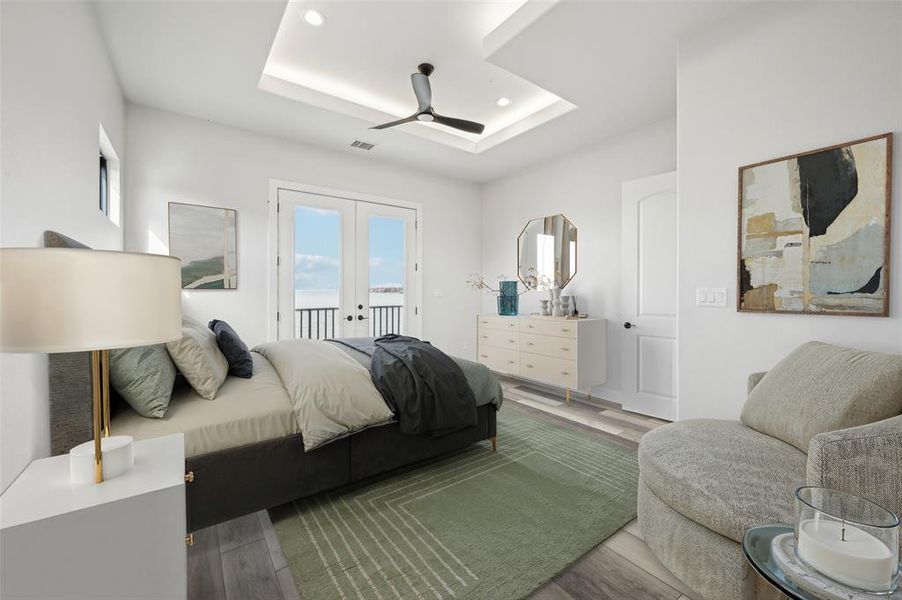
{"x":847,"y":538}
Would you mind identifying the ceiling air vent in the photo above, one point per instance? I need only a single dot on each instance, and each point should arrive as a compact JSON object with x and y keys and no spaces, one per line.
{"x":362,"y":145}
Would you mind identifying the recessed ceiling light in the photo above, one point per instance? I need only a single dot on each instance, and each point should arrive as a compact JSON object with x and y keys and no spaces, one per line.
{"x":314,"y":17}
{"x":503,"y":101}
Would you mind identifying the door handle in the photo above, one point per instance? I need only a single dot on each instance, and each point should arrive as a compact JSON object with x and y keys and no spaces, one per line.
{"x":628,"y":325}
{"x":361,"y":317}
{"x":349,"y":318}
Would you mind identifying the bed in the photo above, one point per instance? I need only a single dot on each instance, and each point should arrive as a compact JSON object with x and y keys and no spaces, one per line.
{"x":245,"y":450}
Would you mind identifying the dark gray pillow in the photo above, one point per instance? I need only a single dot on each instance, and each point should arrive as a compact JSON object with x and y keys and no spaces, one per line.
{"x":240,"y":362}
{"x":144,"y":377}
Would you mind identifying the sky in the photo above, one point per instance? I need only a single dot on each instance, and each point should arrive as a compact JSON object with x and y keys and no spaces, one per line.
{"x":317,"y":250}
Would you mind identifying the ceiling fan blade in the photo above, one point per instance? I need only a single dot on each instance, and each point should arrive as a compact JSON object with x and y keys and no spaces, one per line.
{"x":393,"y":123}
{"x":422,"y":89}
{"x":462,"y":124}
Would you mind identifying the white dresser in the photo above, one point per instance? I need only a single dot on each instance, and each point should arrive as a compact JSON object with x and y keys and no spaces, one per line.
{"x":121,"y":539}
{"x":569,"y":353}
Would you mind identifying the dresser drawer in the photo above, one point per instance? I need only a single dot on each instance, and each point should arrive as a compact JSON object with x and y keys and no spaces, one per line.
{"x":503,"y":360}
{"x":495,"y":322}
{"x":559,"y":328}
{"x":499,"y":338}
{"x":556,"y":371}
{"x":548,"y":345}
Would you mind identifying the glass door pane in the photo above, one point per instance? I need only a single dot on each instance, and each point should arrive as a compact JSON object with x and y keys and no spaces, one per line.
{"x":317,"y":272}
{"x":386,"y":270}
{"x":317,"y":266}
{"x":387,"y":276}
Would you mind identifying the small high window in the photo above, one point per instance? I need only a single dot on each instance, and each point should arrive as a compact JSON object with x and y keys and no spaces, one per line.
{"x":108,"y":182}
{"x":104,"y":186}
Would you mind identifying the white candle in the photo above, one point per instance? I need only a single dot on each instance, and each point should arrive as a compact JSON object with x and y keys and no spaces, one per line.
{"x":857,"y":559}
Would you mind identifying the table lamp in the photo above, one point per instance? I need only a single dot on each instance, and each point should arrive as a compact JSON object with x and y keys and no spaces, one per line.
{"x":74,"y":300}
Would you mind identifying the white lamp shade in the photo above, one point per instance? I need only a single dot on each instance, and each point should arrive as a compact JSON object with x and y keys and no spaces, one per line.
{"x":71,"y":300}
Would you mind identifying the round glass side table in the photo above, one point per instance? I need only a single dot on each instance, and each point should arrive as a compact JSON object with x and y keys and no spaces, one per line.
{"x":756,"y":545}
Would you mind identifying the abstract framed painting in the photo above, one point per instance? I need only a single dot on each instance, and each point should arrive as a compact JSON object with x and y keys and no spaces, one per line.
{"x":205,"y":238}
{"x":814,"y":231}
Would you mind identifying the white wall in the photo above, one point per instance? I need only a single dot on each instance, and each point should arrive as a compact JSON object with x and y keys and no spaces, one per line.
{"x":776,"y":80}
{"x":585,"y":186}
{"x":57,"y":86}
{"x":177,"y":158}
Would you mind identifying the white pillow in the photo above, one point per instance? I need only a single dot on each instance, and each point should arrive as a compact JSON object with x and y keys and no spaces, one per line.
{"x":198,"y":358}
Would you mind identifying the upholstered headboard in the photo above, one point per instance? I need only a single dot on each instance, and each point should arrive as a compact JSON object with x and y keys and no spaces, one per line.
{"x":70,"y":383}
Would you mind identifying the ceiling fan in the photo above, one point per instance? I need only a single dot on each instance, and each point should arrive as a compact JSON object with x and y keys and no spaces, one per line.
{"x":423,"y":91}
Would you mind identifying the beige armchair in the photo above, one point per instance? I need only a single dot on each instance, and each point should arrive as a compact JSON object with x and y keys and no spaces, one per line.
{"x":704,"y":482}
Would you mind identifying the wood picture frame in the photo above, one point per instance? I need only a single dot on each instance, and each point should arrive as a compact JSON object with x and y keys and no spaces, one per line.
{"x":812,"y":227}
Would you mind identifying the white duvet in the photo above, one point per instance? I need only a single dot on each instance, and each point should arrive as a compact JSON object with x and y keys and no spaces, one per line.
{"x":331,"y":393}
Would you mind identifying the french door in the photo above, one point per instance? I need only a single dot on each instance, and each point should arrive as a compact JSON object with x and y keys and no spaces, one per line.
{"x":347,"y":268}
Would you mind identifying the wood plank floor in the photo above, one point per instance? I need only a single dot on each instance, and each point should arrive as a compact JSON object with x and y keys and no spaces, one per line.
{"x":242,"y":560}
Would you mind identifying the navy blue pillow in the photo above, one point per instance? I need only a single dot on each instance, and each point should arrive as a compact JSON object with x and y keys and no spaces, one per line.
{"x":239,"y":357}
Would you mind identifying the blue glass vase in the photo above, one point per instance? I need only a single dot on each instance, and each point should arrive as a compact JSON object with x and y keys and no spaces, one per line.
{"x":509,"y":299}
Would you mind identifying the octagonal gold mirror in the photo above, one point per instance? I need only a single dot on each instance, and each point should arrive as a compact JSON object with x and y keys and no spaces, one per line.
{"x":546,"y":252}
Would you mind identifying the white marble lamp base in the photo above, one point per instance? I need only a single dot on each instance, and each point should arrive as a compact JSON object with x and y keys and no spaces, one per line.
{"x":806,"y":578}
{"x":118,"y":457}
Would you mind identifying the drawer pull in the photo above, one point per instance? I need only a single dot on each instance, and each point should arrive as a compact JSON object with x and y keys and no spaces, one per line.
{"x":565,"y":372}
{"x":529,"y":366}
{"x":485,"y":337}
{"x":483,"y":356}
{"x":530,"y":326}
{"x":565,"y":348}
{"x":189,"y":477}
{"x":189,"y":539}
{"x":510,"y":362}
{"x":512,"y":341}
{"x":565,"y":330}
{"x":530,"y":344}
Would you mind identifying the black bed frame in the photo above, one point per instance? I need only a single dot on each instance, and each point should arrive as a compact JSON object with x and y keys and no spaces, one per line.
{"x":237,"y":481}
{"x":230,"y":483}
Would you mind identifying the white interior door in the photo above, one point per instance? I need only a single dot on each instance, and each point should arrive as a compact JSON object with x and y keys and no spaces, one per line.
{"x":346,"y":268}
{"x":649,"y":284}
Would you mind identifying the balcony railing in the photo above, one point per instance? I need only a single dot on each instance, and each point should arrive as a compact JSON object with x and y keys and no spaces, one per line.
{"x":322,"y":323}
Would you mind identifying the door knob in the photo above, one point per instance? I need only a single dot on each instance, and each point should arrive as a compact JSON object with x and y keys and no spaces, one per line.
{"x":361,"y":317}
{"x":359,"y":307}
{"x":349,"y":318}
{"x":629,"y":325}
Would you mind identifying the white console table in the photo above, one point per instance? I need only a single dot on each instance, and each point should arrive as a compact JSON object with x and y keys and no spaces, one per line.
{"x":121,"y":539}
{"x":569,"y":353}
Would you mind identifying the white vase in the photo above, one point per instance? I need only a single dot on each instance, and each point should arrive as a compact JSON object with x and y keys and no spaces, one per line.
{"x":556,"y":303}
{"x":544,"y":305}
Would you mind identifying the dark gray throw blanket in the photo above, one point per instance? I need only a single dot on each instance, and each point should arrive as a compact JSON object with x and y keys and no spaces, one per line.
{"x":425,"y":389}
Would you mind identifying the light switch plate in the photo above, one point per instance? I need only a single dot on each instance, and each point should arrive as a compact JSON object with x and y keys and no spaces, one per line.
{"x":716,"y":297}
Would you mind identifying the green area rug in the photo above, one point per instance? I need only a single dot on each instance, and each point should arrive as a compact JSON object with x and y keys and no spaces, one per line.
{"x":475,"y":525}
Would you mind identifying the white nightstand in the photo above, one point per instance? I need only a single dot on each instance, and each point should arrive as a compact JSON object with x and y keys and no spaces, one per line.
{"x":124,"y":538}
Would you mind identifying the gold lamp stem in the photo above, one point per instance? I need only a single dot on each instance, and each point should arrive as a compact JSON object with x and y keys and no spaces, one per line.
{"x":96,"y":409}
{"x":105,"y":378}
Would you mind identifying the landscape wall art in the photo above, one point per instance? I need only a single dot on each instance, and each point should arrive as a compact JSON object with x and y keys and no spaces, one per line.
{"x":814,"y":231}
{"x":205,"y":239}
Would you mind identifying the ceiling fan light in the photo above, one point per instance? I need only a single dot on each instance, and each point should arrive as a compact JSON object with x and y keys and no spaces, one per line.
{"x":314,"y":17}
{"x":503,"y":101}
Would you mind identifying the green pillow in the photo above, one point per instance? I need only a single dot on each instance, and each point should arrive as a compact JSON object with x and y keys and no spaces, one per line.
{"x":144,"y":377}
